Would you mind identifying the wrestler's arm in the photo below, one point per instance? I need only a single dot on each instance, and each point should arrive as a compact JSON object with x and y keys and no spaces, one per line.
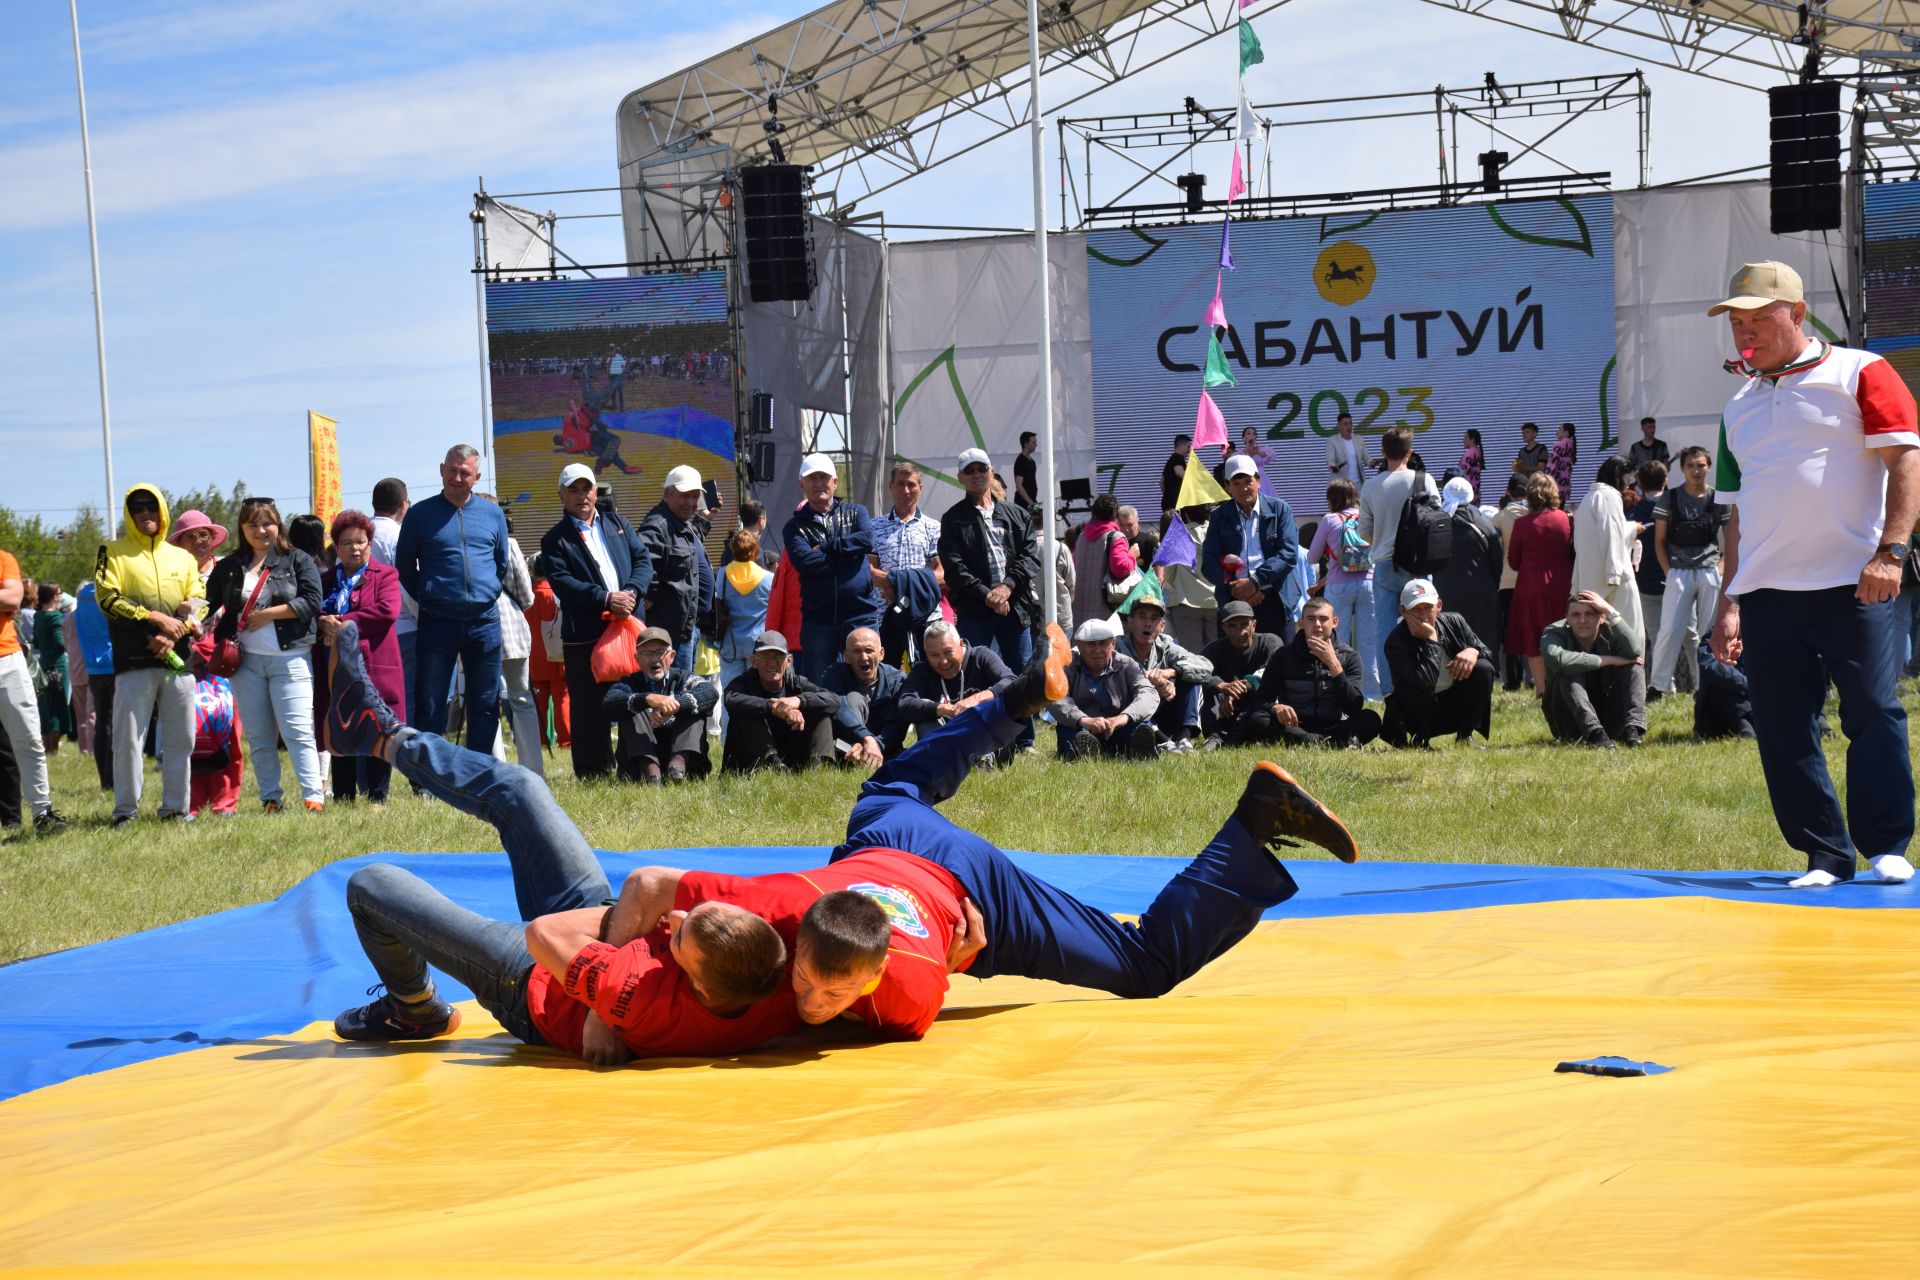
{"x":645,"y":897}
{"x":555,"y":940}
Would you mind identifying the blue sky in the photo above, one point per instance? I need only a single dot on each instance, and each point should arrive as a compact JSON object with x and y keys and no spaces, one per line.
{"x":283,"y":189}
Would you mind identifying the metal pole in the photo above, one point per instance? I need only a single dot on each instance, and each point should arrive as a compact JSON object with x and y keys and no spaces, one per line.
{"x":93,"y":247}
{"x":480,"y":326}
{"x":1050,"y":598}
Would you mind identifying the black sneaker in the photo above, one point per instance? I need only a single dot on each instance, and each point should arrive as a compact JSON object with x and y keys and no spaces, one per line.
{"x":391,"y":1019}
{"x":1630,"y":739}
{"x":1274,"y":806}
{"x":358,"y":722}
{"x":1145,"y":743}
{"x":1598,"y":740}
{"x":1085,"y":746}
{"x":49,"y":823}
{"x":1043,"y":682}
{"x":122,"y":820}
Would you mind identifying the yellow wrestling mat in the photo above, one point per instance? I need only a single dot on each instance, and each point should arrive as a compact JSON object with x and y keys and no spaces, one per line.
{"x":1355,"y":1096}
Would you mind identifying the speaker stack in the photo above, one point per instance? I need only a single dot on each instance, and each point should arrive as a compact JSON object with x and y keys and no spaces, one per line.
{"x":1805,"y":168}
{"x":778,"y":232}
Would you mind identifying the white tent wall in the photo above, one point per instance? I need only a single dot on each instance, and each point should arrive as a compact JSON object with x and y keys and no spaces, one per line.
{"x":803,"y":354}
{"x":1674,"y":250}
{"x":974,"y":298}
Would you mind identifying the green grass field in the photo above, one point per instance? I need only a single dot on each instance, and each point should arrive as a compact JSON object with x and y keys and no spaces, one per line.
{"x":1675,"y":803}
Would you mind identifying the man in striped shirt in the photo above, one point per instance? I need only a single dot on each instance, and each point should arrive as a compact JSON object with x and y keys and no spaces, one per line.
{"x":1819,"y":457}
{"x":904,"y":538}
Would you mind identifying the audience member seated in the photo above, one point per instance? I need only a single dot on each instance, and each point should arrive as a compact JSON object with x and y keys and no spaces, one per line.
{"x":776,"y":718}
{"x":954,"y":676}
{"x":1596,"y":675}
{"x":1721,"y":708}
{"x":1239,"y":659}
{"x":1178,"y":677}
{"x":867,"y":727}
{"x":1108,"y":710}
{"x":662,"y":713}
{"x":1442,"y":676}
{"x":1310,"y":692}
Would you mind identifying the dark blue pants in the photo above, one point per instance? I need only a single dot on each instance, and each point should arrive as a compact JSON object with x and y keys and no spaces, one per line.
{"x":1035,"y":930}
{"x":1795,"y":641}
{"x":1007,"y":636}
{"x":475,"y":643}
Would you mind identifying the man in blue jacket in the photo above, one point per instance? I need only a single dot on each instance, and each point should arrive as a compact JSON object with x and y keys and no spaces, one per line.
{"x":1262,"y":533}
{"x":452,"y":558}
{"x":828,"y":542}
{"x":599,"y":569}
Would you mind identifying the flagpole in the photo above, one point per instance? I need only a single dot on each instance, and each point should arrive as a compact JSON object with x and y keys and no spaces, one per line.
{"x":93,"y":246}
{"x":1050,"y":601}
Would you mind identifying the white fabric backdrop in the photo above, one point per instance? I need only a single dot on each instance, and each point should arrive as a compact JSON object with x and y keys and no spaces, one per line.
{"x":1674,"y":251}
{"x":976,"y":297}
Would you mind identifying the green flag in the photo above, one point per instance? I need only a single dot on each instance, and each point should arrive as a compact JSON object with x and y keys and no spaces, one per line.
{"x":1148,"y":589}
{"x":1250,"y":51}
{"x":1218,"y":374}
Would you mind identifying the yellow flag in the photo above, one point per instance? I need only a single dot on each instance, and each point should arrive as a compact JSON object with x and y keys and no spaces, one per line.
{"x":326,"y":466}
{"x":1197,"y":488}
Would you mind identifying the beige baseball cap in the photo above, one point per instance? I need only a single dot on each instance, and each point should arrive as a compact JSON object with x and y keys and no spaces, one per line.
{"x":1756,"y":284}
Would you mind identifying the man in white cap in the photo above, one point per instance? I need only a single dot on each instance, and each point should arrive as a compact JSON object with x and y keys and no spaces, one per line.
{"x":1109,"y":706}
{"x":1260,"y":530}
{"x":675,"y":534}
{"x":1819,"y":457}
{"x":988,"y":553}
{"x":596,"y":565}
{"x":1442,"y":677}
{"x":828,"y":542}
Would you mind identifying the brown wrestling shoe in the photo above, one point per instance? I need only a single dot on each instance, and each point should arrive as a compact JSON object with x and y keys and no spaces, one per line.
{"x":1044,"y":680}
{"x":1274,"y":806}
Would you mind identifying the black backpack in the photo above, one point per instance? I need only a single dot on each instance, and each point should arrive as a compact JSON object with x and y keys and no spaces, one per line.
{"x":1423,"y":543}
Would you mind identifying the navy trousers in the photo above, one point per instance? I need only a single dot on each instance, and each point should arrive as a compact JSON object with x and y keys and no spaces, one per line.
{"x":1035,"y":930}
{"x":1794,"y":642}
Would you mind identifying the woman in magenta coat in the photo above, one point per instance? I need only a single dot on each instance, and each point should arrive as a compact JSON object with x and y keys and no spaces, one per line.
{"x":1541,"y":555}
{"x":361,"y":590}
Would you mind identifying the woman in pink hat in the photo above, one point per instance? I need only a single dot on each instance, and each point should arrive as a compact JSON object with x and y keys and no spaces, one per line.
{"x":196,"y":533}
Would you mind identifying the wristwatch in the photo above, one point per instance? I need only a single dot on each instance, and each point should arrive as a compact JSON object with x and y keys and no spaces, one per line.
{"x":1898,"y":550}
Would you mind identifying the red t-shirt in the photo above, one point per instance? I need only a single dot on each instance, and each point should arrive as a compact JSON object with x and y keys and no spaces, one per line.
{"x":639,"y":991}
{"x":921,"y":898}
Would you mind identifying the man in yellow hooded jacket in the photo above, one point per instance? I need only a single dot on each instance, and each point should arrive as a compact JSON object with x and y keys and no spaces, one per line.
{"x":153,"y":597}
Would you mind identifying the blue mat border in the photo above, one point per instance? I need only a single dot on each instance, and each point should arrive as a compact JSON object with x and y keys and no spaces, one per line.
{"x":272,"y":968}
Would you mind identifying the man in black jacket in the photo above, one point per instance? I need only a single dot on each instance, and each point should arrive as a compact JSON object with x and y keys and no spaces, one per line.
{"x":1442,"y":677}
{"x":776,"y":717}
{"x":867,"y":727}
{"x":596,"y":565}
{"x":1240,"y":658}
{"x":682,"y":590}
{"x":988,"y":554}
{"x":1310,"y":693}
{"x":953,"y":676}
{"x":662,"y":713}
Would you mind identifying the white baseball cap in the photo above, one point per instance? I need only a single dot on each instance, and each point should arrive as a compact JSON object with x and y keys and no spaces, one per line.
{"x":1241,"y":465}
{"x":1418,"y":592}
{"x":683,"y":479}
{"x":817,"y":464}
{"x":573,"y":472}
{"x":971,"y":456}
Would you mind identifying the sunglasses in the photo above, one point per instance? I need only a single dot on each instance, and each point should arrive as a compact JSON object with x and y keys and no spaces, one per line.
{"x":256,"y":502}
{"x":147,"y":507}
{"x":973,"y":469}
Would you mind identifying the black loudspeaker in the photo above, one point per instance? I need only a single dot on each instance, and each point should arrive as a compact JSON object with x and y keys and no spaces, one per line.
{"x":760,"y":414}
{"x":779,"y":236}
{"x":1804,"y":130}
{"x":760,"y":461}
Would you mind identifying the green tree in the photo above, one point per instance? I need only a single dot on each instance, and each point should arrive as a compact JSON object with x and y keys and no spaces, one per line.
{"x":221,"y":508}
{"x":54,"y":554}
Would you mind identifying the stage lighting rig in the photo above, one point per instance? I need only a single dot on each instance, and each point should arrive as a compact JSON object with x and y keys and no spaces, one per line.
{"x":774,"y":128}
{"x":1491,"y":163}
{"x":1195,"y":185}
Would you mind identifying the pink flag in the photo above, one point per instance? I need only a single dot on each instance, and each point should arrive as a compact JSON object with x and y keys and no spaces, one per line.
{"x":1237,"y":183}
{"x":1217,"y":310}
{"x":1209,"y":426}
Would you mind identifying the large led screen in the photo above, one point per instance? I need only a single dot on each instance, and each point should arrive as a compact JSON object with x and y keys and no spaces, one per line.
{"x":1485,"y":316}
{"x":1892,"y":253}
{"x":631,"y":376}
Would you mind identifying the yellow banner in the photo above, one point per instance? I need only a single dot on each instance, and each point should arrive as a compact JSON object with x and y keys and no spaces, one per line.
{"x":325,"y":445}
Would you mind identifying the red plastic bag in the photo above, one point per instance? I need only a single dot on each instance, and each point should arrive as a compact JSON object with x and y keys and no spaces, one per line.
{"x":615,"y":655}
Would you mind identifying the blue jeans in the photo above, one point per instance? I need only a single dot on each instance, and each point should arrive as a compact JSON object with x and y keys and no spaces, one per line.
{"x":1007,"y":636}
{"x":1035,"y":930}
{"x":1359,"y":626}
{"x":1387,"y":584}
{"x":274,"y":696}
{"x":1795,"y":642}
{"x":405,"y":924}
{"x":473,"y":642}
{"x":1907,"y":619}
{"x":406,"y":639}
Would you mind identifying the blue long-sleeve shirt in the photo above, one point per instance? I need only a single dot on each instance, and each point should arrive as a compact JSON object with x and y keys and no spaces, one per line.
{"x":451,"y":559}
{"x":830,"y":552}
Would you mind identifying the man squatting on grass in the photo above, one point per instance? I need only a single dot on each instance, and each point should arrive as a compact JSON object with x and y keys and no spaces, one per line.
{"x":908,"y":898}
